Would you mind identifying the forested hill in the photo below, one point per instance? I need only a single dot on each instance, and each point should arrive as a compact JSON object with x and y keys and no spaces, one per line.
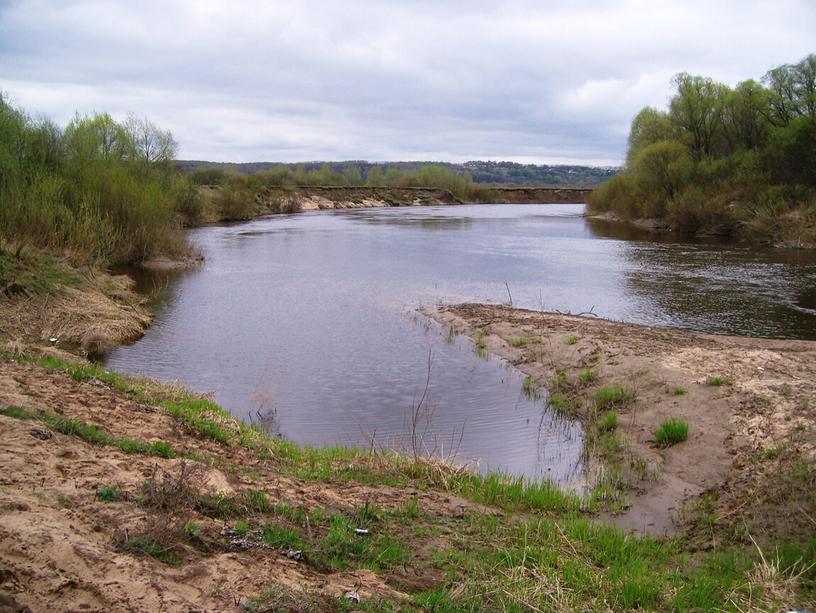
{"x":502,"y":173}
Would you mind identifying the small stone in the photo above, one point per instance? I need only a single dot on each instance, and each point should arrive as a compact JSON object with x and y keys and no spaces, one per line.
{"x":41,"y":433}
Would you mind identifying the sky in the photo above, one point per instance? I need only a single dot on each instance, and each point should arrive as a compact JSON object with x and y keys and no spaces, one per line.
{"x":532,"y":82}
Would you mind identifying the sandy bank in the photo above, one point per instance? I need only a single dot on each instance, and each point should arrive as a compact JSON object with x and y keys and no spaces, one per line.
{"x":751,"y":448}
{"x":63,"y":548}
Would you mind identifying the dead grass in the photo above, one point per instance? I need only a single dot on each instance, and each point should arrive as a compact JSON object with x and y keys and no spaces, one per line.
{"x":91,"y":318}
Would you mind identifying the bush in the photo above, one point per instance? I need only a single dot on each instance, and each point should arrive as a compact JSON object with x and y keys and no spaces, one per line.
{"x":235,"y":202}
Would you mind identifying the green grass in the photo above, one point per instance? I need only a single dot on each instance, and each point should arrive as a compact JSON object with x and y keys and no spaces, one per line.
{"x":614,"y":395}
{"x":148,"y":547}
{"x":670,"y":432}
{"x":530,"y":389}
{"x":64,"y":501}
{"x":774,"y":452}
{"x":107,"y":493}
{"x":552,"y":564}
{"x":90,"y":433}
{"x":608,"y":422}
{"x":33,"y":272}
{"x":717,"y":381}
{"x":192,"y":530}
{"x":517,"y":341}
{"x":571,"y":340}
{"x":587,"y":375}
{"x":677,"y":391}
{"x":562,"y":403}
{"x":481,"y":343}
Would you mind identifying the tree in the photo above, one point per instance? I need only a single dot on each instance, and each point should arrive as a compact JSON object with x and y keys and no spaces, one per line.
{"x":352,"y":176}
{"x":745,"y":115}
{"x":152,"y":144}
{"x":662,"y":170}
{"x":696,"y":110}
{"x":648,"y":127}
{"x":98,"y":137}
{"x":792,"y":91}
{"x":374,"y":177}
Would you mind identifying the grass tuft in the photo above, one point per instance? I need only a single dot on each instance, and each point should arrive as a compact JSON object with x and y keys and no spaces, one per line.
{"x":609,"y":422}
{"x":107,"y":493}
{"x":670,"y":432}
{"x":587,"y":375}
{"x":90,"y":433}
{"x":614,"y":395}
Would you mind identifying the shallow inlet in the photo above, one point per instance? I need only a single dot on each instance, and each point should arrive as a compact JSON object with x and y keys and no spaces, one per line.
{"x":313,"y":317}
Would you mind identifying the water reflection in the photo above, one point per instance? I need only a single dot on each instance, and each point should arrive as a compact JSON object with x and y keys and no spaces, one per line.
{"x":718,"y":286}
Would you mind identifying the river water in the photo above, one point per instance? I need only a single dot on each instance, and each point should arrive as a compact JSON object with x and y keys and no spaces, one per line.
{"x":311,"y":319}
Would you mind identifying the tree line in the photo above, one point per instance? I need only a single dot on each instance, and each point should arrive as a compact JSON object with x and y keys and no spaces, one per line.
{"x":360,"y":172}
{"x":729,"y":160}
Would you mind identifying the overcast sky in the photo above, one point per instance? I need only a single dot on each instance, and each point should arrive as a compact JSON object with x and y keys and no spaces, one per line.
{"x":387,"y":80}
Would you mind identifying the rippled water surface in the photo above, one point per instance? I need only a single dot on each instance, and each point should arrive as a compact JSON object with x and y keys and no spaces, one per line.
{"x":314,"y":315}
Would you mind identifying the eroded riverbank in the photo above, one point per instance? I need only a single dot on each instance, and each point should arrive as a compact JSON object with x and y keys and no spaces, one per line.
{"x":749,"y":403}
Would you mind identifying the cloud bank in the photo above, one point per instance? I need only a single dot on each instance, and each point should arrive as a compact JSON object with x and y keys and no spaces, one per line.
{"x":292,"y":81}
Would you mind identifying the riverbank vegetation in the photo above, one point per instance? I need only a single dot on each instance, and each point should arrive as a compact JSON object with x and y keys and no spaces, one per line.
{"x":722,"y":160}
{"x":296,"y":528}
{"x":96,"y":190}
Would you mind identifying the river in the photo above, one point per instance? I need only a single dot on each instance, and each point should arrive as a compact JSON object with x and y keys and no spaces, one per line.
{"x":310,"y":319}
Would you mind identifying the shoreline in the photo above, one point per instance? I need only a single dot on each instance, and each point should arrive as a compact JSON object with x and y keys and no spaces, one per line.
{"x":277,"y":200}
{"x":785,"y":236}
{"x":761,"y":404}
{"x":91,"y":459}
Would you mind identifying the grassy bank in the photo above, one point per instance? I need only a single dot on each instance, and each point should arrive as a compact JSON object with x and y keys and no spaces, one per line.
{"x":434,"y":538}
{"x":728,"y":161}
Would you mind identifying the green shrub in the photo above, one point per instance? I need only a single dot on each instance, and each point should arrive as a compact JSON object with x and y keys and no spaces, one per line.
{"x":89,"y":190}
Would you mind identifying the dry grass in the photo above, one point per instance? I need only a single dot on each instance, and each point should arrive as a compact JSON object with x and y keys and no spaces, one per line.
{"x":100,"y":313}
{"x":169,"y":500}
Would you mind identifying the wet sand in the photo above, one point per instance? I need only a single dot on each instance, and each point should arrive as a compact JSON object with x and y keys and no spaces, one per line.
{"x":745,"y":436}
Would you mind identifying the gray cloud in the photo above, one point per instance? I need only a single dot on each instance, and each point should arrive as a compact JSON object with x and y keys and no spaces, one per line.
{"x":248,"y":81}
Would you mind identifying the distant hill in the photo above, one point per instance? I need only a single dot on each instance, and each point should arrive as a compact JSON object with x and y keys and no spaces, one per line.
{"x":499,"y":173}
